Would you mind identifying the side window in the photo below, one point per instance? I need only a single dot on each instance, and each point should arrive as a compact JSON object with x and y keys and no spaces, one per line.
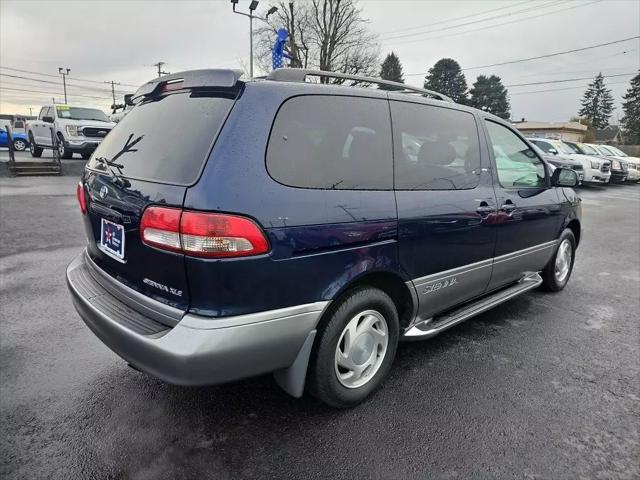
{"x":43,"y":113}
{"x":435,"y":148}
{"x":518,"y":166}
{"x":329,"y":142}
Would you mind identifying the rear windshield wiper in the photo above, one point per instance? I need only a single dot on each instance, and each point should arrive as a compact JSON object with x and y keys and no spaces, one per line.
{"x":119,"y":179}
{"x":108,"y":162}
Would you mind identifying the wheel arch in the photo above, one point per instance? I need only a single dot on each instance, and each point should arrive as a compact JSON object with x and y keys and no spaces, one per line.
{"x":575,"y":227}
{"x":401,"y":292}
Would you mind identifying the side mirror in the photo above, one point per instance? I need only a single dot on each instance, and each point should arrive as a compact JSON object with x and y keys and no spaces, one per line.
{"x":553,"y":151}
{"x":564,"y":177}
{"x":47,"y":119}
{"x":127,"y":99}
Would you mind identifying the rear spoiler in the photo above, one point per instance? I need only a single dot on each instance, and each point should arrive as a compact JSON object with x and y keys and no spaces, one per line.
{"x":189,"y":79}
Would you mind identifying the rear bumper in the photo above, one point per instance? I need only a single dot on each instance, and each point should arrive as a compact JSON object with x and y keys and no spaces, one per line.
{"x":197,"y":350}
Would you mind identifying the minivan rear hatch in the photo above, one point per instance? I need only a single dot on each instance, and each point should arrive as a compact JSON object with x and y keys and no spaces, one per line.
{"x":149,"y":159}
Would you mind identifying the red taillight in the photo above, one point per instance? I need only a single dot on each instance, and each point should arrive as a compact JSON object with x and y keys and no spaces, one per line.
{"x":160,"y":227}
{"x":220,"y":235}
{"x":82,"y":200}
{"x":210,"y":235}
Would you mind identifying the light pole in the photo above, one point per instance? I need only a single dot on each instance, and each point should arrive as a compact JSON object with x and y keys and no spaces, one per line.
{"x":64,"y":74}
{"x":252,"y":8}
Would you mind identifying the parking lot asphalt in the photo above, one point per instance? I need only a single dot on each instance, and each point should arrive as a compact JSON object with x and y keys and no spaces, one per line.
{"x":544,"y":386}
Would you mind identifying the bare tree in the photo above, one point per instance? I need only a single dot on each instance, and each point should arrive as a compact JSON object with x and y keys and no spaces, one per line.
{"x":324,"y":34}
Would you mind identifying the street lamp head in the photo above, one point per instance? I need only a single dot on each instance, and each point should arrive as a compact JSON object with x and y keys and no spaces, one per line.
{"x":235,"y":2}
{"x":60,"y":69}
{"x":271,"y":11}
{"x":253,"y":5}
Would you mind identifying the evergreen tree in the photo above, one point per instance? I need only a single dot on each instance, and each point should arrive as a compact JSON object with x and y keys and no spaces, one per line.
{"x":597,"y":103}
{"x":488,"y":94}
{"x":631,"y":108}
{"x":446,"y":77}
{"x":391,"y":69}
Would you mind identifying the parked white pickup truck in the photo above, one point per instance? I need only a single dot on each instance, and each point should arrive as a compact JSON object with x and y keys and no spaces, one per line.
{"x":77,"y":129}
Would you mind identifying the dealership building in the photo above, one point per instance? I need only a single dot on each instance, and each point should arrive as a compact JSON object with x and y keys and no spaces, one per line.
{"x":571,"y":131}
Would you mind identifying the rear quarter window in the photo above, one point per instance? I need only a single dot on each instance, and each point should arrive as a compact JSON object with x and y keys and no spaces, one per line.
{"x":332,"y":142}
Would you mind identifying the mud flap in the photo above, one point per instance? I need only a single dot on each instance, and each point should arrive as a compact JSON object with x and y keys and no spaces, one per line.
{"x":292,"y":379}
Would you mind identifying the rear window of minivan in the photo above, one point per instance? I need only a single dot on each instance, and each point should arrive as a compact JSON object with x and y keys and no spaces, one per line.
{"x":332,"y":142}
{"x":165,"y":139}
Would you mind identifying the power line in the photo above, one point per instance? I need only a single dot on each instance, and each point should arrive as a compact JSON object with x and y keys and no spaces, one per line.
{"x":563,"y":70}
{"x":559,"y":89}
{"x":56,"y":76}
{"x":539,"y":57}
{"x":58,"y":83}
{"x":453,"y":19}
{"x":535,"y":7}
{"x":531,"y":17}
{"x":48,"y":93}
{"x":553,"y":54}
{"x":568,"y":80}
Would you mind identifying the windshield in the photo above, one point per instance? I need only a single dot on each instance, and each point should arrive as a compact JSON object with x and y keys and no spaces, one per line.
{"x":573,"y":147}
{"x":587,"y":149}
{"x":77,"y":113}
{"x":618,"y":152}
{"x":562,"y":147}
{"x":606,"y":150}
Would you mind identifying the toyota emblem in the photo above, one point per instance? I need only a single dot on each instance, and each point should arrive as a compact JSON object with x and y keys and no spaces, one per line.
{"x":104,"y":191}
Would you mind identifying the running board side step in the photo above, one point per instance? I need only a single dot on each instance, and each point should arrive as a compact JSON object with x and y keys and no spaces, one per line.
{"x":432,"y":327}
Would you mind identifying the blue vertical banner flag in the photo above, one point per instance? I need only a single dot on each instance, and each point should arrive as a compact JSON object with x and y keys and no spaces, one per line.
{"x":279,"y":52}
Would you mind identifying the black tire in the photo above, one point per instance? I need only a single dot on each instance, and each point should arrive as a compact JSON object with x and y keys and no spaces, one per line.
{"x":63,"y":151}
{"x":550,"y":280}
{"x":35,"y":150}
{"x":322,"y":379}
{"x":20,"y":144}
{"x":85,"y":155}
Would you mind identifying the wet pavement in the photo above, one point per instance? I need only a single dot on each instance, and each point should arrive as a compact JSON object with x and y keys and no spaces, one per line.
{"x":544,"y":386}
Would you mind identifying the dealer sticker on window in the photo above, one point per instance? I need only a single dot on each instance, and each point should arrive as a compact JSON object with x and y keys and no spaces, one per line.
{"x":112,"y":239}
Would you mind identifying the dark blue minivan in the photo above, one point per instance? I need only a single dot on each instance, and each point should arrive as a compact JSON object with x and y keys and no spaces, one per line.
{"x":281,"y":225}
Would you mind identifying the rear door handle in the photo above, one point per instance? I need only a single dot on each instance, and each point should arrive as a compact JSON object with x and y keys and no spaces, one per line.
{"x":508,"y":207}
{"x":485,"y":210}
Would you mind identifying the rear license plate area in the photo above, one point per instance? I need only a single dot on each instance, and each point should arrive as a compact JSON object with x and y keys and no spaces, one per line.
{"x":112,"y":239}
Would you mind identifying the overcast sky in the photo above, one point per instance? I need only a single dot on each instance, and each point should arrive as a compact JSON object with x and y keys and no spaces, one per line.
{"x":121,"y":40}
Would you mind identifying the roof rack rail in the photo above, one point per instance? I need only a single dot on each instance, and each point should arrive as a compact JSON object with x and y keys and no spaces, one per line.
{"x":301,"y":74}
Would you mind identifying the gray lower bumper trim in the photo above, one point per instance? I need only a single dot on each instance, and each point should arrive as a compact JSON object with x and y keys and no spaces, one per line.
{"x":238,"y":347}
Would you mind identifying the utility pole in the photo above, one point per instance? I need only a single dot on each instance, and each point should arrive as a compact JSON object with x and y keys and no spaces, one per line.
{"x":252,"y":8}
{"x":30,"y":112}
{"x":113,"y":93}
{"x":160,"y":72}
{"x":61,"y":71}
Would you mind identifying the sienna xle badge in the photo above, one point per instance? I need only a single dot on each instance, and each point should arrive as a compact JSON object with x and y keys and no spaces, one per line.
{"x":304,"y":229}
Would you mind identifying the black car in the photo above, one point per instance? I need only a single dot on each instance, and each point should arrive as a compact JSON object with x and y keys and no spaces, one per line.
{"x":304,"y":229}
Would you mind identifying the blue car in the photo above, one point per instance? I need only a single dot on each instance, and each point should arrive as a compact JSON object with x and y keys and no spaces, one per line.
{"x":20,"y":140}
{"x":304,"y":229}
